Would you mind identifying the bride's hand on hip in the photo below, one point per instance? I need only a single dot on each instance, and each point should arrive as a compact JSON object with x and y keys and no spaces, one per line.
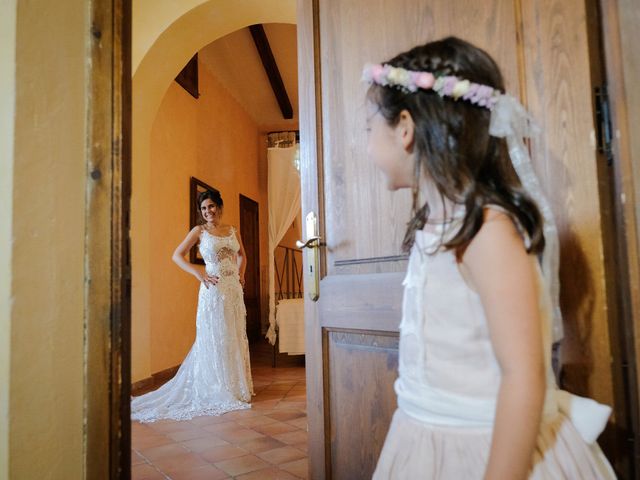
{"x":206,"y":279}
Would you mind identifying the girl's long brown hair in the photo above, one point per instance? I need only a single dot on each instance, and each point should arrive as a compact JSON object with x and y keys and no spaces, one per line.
{"x":454,"y":148}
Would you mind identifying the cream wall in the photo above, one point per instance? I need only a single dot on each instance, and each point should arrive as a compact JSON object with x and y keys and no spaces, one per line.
{"x":45,"y":223}
{"x":7,"y":112}
{"x":215,"y":140}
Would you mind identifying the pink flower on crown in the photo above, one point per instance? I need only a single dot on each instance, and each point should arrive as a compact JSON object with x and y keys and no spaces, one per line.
{"x":382,"y":76}
{"x":450,"y":86}
{"x":377,"y":73}
{"x":424,"y":80}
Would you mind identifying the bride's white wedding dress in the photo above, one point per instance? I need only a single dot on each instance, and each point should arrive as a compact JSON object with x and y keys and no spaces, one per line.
{"x":215,"y":377}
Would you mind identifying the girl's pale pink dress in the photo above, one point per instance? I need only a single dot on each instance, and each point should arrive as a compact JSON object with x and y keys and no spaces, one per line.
{"x":449,"y":380}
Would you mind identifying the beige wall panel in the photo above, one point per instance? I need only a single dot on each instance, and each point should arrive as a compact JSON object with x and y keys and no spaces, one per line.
{"x":47,"y":282}
{"x":8,"y":12}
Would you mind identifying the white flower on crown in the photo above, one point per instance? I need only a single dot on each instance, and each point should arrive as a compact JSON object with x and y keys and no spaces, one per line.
{"x":398,"y":76}
{"x":461,"y":88}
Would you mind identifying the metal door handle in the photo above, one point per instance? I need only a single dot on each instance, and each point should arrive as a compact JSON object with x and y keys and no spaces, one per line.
{"x":310,"y":243}
{"x":312,"y":255}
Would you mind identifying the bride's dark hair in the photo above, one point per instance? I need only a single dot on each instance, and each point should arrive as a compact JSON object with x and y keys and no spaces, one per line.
{"x":454,"y":148}
{"x":213,"y":195}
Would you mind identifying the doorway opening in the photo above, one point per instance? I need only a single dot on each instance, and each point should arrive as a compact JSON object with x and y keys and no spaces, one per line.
{"x":214,"y":128}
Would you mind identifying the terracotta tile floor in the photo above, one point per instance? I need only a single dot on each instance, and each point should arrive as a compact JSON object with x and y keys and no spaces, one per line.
{"x":269,"y":441}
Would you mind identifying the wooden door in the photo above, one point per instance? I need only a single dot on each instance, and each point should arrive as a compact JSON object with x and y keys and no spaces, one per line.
{"x":351,"y":331}
{"x":249,"y":231}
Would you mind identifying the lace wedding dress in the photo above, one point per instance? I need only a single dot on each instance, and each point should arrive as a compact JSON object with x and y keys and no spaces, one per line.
{"x":215,"y":377}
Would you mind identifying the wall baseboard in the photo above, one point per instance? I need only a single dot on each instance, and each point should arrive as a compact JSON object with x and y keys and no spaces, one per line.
{"x":154,"y":381}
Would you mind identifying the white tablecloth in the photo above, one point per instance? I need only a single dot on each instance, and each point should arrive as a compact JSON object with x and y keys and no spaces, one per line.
{"x":290,"y":321}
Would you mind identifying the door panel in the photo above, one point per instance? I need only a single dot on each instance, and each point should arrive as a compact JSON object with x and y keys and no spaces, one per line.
{"x":366,"y":222}
{"x":363,"y":223}
{"x":366,"y":365}
{"x":559,"y":94}
{"x":351,"y":332}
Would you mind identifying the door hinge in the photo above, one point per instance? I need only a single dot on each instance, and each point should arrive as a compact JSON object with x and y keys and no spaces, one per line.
{"x":603,"y":123}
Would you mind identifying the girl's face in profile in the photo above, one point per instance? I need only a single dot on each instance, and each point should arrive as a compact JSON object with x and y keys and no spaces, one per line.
{"x":386,"y":150}
{"x":208,"y":209}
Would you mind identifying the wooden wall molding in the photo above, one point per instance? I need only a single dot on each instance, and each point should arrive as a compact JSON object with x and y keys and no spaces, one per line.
{"x":361,"y":261}
{"x":154,"y":381}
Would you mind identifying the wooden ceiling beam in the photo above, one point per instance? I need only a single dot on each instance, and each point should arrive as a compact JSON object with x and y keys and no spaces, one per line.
{"x":271,"y":69}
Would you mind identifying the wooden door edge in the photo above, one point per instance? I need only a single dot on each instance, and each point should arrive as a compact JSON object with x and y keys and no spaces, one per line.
{"x":311,"y":176}
{"x":625,"y":198}
{"x":107,"y":434}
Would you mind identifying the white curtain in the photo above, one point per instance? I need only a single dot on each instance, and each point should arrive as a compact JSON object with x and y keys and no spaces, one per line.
{"x":284,"y":206}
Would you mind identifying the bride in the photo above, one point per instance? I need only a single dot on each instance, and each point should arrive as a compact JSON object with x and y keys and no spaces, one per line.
{"x":215,"y":377}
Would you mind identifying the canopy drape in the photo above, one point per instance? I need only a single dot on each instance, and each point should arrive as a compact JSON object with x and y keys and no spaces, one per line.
{"x":284,"y":206}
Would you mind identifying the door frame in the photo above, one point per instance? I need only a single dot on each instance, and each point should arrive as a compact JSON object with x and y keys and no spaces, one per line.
{"x":245,"y":200}
{"x":107,"y":352}
{"x":625,"y":200}
{"x":108,"y":187}
{"x":312,"y":200}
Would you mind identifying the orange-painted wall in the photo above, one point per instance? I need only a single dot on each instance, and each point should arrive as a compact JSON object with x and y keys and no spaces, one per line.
{"x":215,"y":140}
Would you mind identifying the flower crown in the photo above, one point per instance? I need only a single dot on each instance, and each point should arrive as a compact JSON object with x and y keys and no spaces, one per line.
{"x":445,"y":86}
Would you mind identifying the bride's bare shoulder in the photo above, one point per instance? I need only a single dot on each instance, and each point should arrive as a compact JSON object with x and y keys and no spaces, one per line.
{"x":226,"y":229}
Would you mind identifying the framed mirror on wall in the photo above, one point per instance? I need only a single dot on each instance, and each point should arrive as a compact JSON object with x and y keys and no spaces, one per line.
{"x":196,"y":187}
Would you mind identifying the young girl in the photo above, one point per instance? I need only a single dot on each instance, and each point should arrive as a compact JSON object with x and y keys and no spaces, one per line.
{"x":476,"y":395}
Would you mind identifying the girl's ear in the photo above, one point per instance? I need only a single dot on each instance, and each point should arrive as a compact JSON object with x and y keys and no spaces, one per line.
{"x":405,"y":130}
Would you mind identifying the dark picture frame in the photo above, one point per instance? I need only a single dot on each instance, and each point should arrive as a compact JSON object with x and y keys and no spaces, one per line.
{"x":196,"y":187}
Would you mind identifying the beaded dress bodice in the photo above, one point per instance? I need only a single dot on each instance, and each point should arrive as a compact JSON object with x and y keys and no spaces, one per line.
{"x":220,"y":254}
